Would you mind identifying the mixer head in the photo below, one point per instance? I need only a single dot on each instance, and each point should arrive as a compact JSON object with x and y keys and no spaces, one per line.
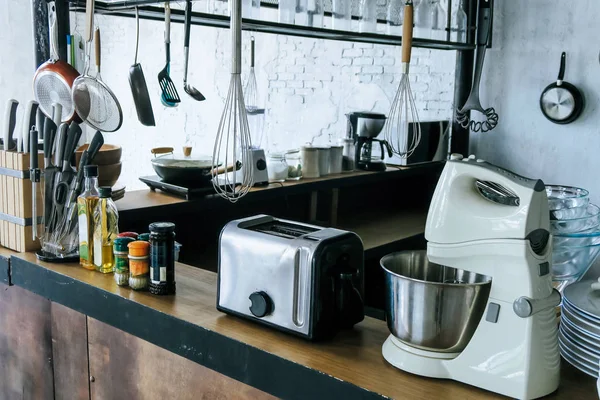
{"x":475,"y":200}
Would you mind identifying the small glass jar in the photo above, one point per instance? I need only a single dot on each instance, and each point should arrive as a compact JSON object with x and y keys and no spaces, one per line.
{"x":139,"y":264}
{"x":121,"y":254}
{"x":286,"y":11}
{"x":162,"y":258}
{"x":294,"y":161}
{"x":277,"y":167}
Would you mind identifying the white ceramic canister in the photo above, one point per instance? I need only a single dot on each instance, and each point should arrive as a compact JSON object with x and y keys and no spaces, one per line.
{"x":324,"y":157}
{"x":310,"y":162}
{"x":336,"y":156}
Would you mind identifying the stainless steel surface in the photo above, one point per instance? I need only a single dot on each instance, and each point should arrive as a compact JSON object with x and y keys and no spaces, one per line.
{"x":430,"y":306}
{"x":283,"y":259}
{"x":233,"y":141}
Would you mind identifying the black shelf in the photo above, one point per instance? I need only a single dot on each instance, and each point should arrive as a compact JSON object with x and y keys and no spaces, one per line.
{"x":127,"y":9}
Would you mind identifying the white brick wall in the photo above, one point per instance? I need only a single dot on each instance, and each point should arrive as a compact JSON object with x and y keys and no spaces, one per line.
{"x":306,"y":85}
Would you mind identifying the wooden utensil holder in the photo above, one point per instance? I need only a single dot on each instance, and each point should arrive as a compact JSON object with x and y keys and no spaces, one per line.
{"x":16,"y":202}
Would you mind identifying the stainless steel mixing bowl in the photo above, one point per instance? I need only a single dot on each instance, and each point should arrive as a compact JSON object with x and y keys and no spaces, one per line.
{"x":430,"y":306}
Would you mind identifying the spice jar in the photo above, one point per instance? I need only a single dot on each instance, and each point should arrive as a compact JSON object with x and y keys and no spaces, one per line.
{"x":162,"y":258}
{"x":139,"y":266}
{"x":121,"y":254}
{"x":144,"y":236}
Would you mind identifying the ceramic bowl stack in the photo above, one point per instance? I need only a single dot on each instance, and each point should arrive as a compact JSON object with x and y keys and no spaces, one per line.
{"x":575,"y":226}
{"x":579,"y":334}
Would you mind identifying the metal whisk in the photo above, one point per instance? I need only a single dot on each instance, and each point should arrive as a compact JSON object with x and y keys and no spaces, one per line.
{"x":250,"y":91}
{"x":233,"y":142}
{"x":403,"y":111}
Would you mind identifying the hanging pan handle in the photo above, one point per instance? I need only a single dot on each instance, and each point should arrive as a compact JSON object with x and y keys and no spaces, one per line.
{"x":561,"y":71}
{"x":252,"y":52}
{"x":97,"y":44}
{"x":89,"y":20}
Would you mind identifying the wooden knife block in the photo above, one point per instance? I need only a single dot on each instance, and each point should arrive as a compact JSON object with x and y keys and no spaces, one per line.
{"x":16,"y":201}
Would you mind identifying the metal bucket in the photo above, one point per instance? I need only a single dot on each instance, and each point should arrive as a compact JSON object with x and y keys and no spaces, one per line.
{"x":430,"y":306}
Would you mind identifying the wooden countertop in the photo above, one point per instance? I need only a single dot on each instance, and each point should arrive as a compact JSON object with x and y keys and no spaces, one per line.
{"x":353,"y":357}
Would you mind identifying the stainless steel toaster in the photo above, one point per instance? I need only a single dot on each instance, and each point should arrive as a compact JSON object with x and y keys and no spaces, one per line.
{"x":294,"y":277}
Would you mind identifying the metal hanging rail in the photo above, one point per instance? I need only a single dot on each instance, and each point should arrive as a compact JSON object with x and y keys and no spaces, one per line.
{"x":126,"y":8}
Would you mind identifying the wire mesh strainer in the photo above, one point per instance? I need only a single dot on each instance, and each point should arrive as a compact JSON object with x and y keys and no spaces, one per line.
{"x":95,"y":103}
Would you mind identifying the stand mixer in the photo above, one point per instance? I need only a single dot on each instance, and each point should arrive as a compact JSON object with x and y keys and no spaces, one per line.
{"x":488,"y":221}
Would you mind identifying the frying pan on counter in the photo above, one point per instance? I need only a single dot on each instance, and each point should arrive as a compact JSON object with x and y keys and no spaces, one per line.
{"x":185,"y":170}
{"x":561,"y":102}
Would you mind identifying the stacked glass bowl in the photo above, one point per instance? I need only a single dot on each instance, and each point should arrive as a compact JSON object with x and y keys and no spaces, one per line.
{"x":575,"y":226}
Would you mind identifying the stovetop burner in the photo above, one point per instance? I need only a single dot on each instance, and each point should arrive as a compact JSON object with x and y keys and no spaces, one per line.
{"x":188,"y":193}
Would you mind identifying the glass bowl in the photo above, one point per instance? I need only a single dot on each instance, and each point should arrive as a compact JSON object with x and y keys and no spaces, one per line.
{"x":590,"y":220}
{"x":561,"y":197}
{"x":572,"y":256}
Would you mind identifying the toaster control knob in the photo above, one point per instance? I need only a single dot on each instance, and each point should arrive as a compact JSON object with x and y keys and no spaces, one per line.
{"x":261,"y":304}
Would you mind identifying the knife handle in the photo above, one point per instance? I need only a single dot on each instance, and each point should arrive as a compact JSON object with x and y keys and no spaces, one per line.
{"x":49,"y":132}
{"x":71,"y":142}
{"x":30,"y":114}
{"x":33,"y":139}
{"x":94,"y":147}
{"x":40,"y":118}
{"x":61,"y":139}
{"x":10,"y":121}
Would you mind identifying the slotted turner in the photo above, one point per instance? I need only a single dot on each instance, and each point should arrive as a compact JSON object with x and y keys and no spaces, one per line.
{"x":169,"y":95}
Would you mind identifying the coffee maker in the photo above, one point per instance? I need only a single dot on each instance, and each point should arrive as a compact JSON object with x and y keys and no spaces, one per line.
{"x":363,"y":128}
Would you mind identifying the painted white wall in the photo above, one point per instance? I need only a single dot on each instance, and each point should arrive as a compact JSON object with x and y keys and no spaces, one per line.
{"x":528,"y":40}
{"x":306,"y":85}
{"x":17,"y":63}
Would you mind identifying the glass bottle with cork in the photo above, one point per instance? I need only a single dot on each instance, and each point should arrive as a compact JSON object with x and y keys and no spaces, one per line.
{"x":106,"y":229}
{"x":86,"y":203}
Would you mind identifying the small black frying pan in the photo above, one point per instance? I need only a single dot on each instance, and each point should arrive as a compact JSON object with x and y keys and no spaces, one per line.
{"x":561,"y":102}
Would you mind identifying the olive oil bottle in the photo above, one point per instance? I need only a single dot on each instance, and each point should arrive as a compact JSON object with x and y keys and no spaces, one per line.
{"x":106,"y":230}
{"x":86,"y":203}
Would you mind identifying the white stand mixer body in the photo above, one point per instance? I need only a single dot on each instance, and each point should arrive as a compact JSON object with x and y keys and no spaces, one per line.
{"x":507,"y":354}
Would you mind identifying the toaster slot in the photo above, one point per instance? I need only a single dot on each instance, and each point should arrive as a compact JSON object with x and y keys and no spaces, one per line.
{"x":282,"y":229}
{"x":301,"y":296}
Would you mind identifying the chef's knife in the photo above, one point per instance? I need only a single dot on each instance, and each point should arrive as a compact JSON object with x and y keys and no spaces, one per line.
{"x":10,"y":121}
{"x":34,"y":175}
{"x":87,"y":157}
{"x":49,"y":168}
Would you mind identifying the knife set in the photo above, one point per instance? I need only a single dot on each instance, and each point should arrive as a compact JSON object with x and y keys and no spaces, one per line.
{"x":55,"y":184}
